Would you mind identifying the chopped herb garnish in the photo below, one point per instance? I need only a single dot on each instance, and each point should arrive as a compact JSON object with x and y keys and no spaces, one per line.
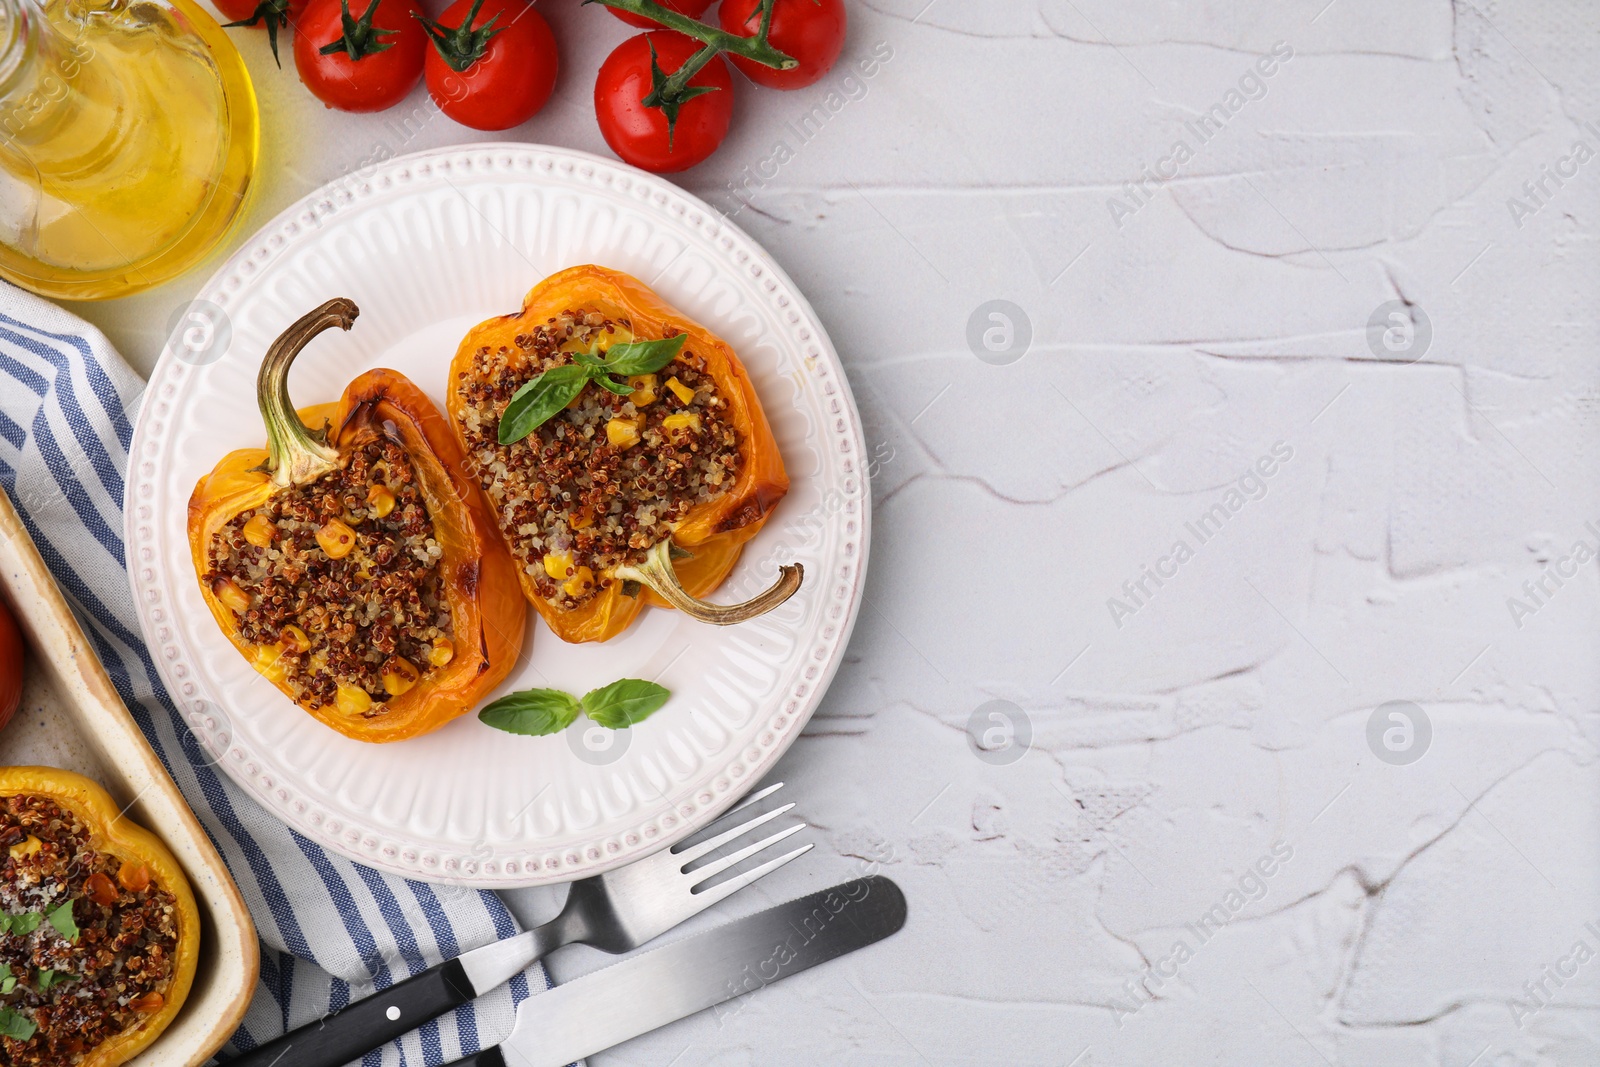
{"x":17,"y":1026}
{"x":49,"y":977}
{"x":61,"y":919}
{"x":26,"y":923}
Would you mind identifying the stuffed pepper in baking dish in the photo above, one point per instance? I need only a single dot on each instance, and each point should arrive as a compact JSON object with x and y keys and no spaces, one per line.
{"x":99,"y":930}
{"x":623,"y":451}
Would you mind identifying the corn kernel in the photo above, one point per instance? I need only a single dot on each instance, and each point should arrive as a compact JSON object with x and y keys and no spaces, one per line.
{"x":622,"y":433}
{"x":580,"y":583}
{"x":444,"y":650}
{"x":381,"y":499}
{"x":268,"y":662}
{"x":26,"y":847}
{"x":336,"y":539}
{"x":681,"y":391}
{"x":352,"y":700}
{"x":233,"y":598}
{"x":260,"y":531}
{"x":134,"y":877}
{"x":582,"y":519}
{"x":682,"y":420}
{"x":295,"y":638}
{"x":399,"y":675}
{"x":556,"y":564}
{"x":645,"y":390}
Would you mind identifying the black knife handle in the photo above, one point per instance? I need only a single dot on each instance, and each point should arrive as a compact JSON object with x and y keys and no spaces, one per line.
{"x":489,"y":1057}
{"x":370,"y":1023}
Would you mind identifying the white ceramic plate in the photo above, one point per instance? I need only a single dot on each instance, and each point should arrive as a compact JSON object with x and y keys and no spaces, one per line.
{"x":428,"y":245}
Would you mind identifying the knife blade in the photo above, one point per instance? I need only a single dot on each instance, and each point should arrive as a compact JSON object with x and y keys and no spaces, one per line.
{"x":622,"y":1001}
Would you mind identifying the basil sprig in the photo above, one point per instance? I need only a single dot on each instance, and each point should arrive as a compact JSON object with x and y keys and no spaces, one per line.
{"x":536,"y":712}
{"x":538,"y":401}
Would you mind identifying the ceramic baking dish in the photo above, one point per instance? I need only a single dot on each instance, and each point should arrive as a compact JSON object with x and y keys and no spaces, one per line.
{"x":71,"y":717}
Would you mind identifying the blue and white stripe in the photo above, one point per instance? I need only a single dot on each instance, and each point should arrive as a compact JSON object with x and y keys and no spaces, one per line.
{"x":332,"y":930}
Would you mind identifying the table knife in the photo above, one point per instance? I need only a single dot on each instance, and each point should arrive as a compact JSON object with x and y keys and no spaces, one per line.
{"x":371,"y":1022}
{"x":622,"y":1001}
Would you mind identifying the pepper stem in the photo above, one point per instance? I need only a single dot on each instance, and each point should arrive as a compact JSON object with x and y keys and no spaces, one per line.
{"x":296,"y":454}
{"x":657,"y":573}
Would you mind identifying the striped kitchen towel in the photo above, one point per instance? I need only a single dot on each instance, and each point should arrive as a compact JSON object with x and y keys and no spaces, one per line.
{"x":332,"y":931}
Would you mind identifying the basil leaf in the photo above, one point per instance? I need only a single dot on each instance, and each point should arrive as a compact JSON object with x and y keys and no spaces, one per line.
{"x":8,"y":985}
{"x":26,"y":923}
{"x":643,"y":357}
{"x":621,"y":704}
{"x":532,"y":712}
{"x":16,"y":1025}
{"x":61,"y":919}
{"x":538,"y":401}
{"x":5,"y":923}
{"x":48,"y":978}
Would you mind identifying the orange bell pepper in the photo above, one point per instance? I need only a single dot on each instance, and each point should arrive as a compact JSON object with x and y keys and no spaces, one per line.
{"x":672,"y":564}
{"x":369,"y":549}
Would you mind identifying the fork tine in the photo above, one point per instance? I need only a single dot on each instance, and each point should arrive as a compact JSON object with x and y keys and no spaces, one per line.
{"x":716,"y":867}
{"x":694,"y":852}
{"x":733,"y":885}
{"x":760,"y":794}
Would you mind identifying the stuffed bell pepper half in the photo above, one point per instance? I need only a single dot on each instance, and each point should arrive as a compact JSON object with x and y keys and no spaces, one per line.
{"x":354,"y":565}
{"x":623,"y":451}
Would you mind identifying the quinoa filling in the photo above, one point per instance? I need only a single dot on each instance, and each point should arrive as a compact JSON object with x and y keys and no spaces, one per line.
{"x":338,"y":583}
{"x":599,"y":484}
{"x":88,"y":941}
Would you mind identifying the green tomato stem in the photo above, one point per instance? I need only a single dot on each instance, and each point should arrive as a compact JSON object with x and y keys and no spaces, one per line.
{"x":716,"y":40}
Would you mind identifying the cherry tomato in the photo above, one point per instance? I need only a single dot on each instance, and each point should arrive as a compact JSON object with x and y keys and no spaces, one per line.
{"x":368,"y":80}
{"x":693,"y":8}
{"x":640,"y":134}
{"x":10,"y":665}
{"x":496,"y":80}
{"x":811,"y":31}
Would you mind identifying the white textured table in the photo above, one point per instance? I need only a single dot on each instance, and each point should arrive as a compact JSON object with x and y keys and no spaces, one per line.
{"x":1204,"y":854}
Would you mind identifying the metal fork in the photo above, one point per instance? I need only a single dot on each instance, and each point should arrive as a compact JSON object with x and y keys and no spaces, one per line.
{"x":615,"y":912}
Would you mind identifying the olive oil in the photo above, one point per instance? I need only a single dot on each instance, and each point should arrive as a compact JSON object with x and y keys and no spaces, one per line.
{"x":128,"y":138}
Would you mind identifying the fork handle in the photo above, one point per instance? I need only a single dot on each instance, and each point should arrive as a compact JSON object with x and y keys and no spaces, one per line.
{"x":370,"y":1023}
{"x":489,"y":1057}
